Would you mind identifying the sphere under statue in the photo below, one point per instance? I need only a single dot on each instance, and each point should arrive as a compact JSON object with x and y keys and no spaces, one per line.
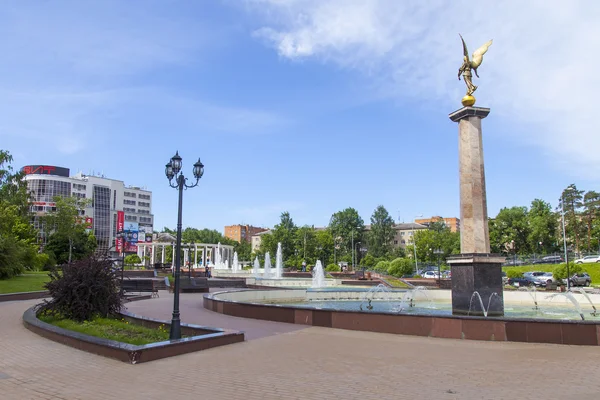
{"x":468,"y":101}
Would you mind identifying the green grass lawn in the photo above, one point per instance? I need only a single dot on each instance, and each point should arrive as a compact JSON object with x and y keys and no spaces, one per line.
{"x":113,"y":329}
{"x":28,"y":282}
{"x":395,"y":282}
{"x":593,"y":269}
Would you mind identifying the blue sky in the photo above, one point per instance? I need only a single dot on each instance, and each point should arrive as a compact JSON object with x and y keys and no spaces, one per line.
{"x":309,"y":106}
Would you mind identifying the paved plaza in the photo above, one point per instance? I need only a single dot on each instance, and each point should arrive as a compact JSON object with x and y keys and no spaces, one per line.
{"x":283,"y":361}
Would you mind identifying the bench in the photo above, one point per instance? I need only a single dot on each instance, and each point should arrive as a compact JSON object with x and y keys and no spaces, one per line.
{"x":193,"y":285}
{"x":140,"y":286}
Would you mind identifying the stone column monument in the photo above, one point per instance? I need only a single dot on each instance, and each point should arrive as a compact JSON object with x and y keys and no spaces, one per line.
{"x":476,"y":274}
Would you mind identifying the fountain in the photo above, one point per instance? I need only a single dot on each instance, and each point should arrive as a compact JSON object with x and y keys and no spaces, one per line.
{"x":278,"y":262}
{"x":256,"y":268}
{"x":235,"y":266}
{"x":226,"y":264}
{"x":372,"y":293}
{"x":267,"y":273}
{"x":483,"y":309}
{"x":409,"y":297}
{"x":572,"y":299}
{"x":532,"y":293}
{"x":318,"y":279}
{"x":584,"y":293}
{"x":217,"y":257}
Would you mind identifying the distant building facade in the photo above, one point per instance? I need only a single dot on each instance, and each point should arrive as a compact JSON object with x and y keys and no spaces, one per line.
{"x":241,"y":233}
{"x":452,"y":223}
{"x":404,"y":233}
{"x":256,"y":240}
{"x":114,"y":207}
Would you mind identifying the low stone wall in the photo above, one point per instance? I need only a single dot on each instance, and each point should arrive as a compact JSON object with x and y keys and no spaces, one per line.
{"x":240,"y":304}
{"x":200,"y":338}
{"x":23,"y":296}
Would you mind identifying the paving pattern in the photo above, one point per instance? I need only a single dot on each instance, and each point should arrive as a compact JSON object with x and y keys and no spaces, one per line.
{"x":282,"y":361}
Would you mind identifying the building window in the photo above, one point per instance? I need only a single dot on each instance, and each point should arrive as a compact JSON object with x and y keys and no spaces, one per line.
{"x":144,"y":196}
{"x":143,"y":204}
{"x":130,"y":194}
{"x":132,"y":218}
{"x":130,"y":202}
{"x":395,"y":242}
{"x":145,"y":220}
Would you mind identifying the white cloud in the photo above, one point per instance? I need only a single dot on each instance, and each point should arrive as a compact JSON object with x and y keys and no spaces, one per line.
{"x":539,"y":77}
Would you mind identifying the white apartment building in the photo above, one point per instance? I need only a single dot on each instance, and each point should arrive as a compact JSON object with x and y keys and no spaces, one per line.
{"x":112,"y":203}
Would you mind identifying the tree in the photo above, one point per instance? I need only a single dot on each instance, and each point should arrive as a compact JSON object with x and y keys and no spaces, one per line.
{"x":284,"y":233}
{"x":68,"y":239}
{"x":543,"y":227}
{"x":400,"y":267}
{"x":510,"y":226}
{"x":438,"y":236}
{"x":570,"y":203}
{"x":346,"y":227}
{"x":18,"y":248}
{"x":382,"y":232}
{"x":591,"y":211}
{"x":244,"y":250}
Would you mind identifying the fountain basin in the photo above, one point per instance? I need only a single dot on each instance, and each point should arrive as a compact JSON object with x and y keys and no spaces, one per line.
{"x":291,"y":305}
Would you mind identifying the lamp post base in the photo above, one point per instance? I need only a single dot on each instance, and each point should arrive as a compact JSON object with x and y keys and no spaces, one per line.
{"x":175,"y":332}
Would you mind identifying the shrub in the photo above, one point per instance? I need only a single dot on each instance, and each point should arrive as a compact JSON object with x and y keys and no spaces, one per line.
{"x":511,"y":273}
{"x":400,"y":267}
{"x":132,"y":259}
{"x":560,"y":271}
{"x":382,"y":266}
{"x":83,"y":290}
{"x":332,"y":268}
{"x":368,"y":261}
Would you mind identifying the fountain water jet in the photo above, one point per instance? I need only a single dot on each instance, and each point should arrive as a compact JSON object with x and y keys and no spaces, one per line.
{"x":572,"y":299}
{"x":584,"y":293}
{"x":318,"y":280}
{"x":256,"y":268}
{"x":267,"y":273}
{"x":372,"y":293}
{"x":532,"y":293}
{"x":235,"y":267}
{"x":410,"y":297}
{"x":278,"y":262}
{"x":483,"y":309}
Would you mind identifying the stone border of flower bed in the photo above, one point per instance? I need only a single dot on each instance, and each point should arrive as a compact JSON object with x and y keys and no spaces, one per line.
{"x":199,"y":338}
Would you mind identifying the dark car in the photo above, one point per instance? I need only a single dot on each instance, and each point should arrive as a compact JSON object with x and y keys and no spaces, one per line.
{"x":551,"y":260}
{"x":519,"y":282}
{"x":582,"y":279}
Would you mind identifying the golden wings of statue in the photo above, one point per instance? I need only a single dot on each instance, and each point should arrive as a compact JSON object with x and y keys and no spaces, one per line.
{"x":467,"y":66}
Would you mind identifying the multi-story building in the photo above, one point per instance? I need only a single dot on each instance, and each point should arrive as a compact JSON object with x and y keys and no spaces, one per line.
{"x":452,"y":223}
{"x":256,"y":240}
{"x":114,"y":207}
{"x":404,"y":233}
{"x":241,"y":233}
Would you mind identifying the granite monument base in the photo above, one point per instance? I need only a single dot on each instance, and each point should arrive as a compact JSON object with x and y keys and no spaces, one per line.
{"x":481,"y":273}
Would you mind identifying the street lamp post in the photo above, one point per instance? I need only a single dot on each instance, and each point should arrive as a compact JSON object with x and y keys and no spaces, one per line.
{"x":173,"y":170}
{"x":414,"y":240}
{"x":439,"y":252}
{"x":514,"y":249}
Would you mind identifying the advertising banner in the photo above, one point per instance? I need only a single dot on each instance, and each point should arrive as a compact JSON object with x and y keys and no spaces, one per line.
{"x":132,"y":231}
{"x":120,"y":223}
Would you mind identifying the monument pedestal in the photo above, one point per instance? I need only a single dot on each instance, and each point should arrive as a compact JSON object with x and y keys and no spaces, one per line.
{"x":481,"y":273}
{"x":475,"y":269}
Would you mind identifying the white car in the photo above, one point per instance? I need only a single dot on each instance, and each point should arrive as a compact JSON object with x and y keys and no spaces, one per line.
{"x":430,"y":275}
{"x":588,"y":259}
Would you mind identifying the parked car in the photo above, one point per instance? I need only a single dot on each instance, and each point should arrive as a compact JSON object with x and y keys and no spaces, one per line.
{"x":430,"y":275}
{"x":588,"y":259}
{"x":519,"y":282}
{"x":582,"y":279}
{"x":543,"y":279}
{"x":551,"y":260}
{"x":504,"y":278}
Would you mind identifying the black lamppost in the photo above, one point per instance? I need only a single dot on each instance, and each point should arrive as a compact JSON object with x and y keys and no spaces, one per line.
{"x":439,"y":253}
{"x":123,"y":235}
{"x":172,"y":170}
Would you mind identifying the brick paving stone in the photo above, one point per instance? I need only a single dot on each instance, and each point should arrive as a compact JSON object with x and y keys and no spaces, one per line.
{"x":285,"y":363}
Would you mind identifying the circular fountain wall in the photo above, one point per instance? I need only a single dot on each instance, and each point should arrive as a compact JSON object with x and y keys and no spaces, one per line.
{"x":530,"y":317}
